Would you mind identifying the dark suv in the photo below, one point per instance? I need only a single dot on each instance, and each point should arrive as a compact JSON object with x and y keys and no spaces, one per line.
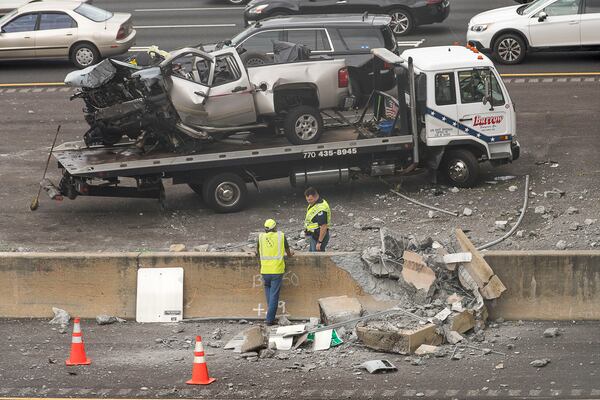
{"x":339,"y":36}
{"x":405,"y":14}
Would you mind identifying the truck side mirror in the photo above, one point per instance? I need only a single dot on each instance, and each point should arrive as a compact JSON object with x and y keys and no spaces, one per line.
{"x":542,"y":16}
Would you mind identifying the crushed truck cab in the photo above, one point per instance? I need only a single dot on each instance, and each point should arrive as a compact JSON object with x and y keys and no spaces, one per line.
{"x":463,"y":110}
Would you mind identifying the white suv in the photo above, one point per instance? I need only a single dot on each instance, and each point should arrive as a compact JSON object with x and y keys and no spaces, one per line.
{"x":510,"y":32}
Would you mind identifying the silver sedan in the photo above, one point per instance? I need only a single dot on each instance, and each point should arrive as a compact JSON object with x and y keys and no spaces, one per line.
{"x":64,"y":29}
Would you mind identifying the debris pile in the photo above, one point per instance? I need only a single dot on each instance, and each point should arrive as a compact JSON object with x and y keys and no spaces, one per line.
{"x":445,"y":293}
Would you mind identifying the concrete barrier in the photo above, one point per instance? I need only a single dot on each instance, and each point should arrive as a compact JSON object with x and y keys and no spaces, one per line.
{"x":541,"y":285}
{"x":547,"y":284}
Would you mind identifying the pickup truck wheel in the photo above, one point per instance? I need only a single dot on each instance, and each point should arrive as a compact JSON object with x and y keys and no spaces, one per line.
{"x":254,"y":58}
{"x":509,"y":49}
{"x":460,"y":168}
{"x":303,"y":125}
{"x":225,"y":193}
{"x":402,"y":22}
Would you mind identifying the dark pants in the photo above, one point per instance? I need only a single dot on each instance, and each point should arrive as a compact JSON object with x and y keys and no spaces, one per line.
{"x":272,"y":284}
{"x":313,"y":242}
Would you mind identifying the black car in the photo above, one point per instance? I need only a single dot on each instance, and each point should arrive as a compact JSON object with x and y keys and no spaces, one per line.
{"x":405,"y":14}
{"x":339,"y":36}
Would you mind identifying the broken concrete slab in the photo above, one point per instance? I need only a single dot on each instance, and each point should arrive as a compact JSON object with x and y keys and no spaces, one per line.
{"x":426,"y":349}
{"x":455,"y":258}
{"x":551,"y":332}
{"x":254,"y":338}
{"x":442,"y":315}
{"x":480,"y":270}
{"x":540,"y":363}
{"x":61,"y":317}
{"x":398,"y":341}
{"x":377,"y":366}
{"x":452,"y":337}
{"x":179,"y":247}
{"x":108,"y":319}
{"x":339,"y":309}
{"x":416,"y":272}
{"x":462,"y":322}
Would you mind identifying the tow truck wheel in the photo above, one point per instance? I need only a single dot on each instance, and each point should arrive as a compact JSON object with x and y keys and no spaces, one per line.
{"x":303,"y":125}
{"x":197,"y":188}
{"x":460,"y":168}
{"x":225,"y":193}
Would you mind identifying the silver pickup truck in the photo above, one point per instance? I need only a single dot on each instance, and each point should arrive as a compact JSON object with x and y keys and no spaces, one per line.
{"x":207,"y":96}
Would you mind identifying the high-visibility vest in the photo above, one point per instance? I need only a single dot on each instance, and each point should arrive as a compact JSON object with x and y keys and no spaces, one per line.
{"x":311,"y":212}
{"x":271,"y":249}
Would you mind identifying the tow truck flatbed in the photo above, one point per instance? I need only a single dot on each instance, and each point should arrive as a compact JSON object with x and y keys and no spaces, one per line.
{"x":98,"y":171}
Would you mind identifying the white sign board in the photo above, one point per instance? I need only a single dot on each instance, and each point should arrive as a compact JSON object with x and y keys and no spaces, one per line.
{"x":159,"y":295}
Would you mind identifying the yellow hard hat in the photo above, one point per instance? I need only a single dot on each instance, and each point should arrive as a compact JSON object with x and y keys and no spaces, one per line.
{"x":270,"y":223}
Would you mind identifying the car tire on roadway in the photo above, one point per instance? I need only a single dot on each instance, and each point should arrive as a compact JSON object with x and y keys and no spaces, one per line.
{"x":225,"y":192}
{"x":84,"y":54}
{"x":460,"y":168}
{"x":254,"y":58}
{"x":509,"y":49}
{"x":402,"y":22}
{"x":303,"y":125}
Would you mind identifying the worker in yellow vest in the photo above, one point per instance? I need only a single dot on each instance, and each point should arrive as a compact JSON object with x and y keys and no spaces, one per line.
{"x":317,"y":220}
{"x":270,"y":249}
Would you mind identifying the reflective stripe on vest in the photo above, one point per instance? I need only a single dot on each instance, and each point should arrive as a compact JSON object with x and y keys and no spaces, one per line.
{"x":311,"y":212}
{"x":271,"y":250}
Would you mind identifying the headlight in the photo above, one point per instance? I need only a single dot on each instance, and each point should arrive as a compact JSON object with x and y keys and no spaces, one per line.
{"x":479,"y":27}
{"x":258,"y":9}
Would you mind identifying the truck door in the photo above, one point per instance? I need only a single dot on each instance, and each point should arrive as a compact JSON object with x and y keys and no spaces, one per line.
{"x":231,"y":98}
{"x":188,"y":76}
{"x":491,"y":120}
{"x":442,"y":113}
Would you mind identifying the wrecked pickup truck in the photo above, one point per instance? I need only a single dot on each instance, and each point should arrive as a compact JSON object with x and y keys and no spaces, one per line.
{"x":194,"y":97}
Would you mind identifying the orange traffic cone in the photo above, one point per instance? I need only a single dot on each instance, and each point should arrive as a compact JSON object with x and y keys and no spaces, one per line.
{"x":200,"y":370}
{"x":77,"y":356}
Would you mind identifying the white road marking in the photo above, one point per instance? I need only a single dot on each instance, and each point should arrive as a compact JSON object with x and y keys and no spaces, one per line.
{"x":183,"y":26}
{"x":410,"y":43}
{"x":188,"y":9}
{"x":139,"y":48}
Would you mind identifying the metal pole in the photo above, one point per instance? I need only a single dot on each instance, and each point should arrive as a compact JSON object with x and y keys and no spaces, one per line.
{"x":413,"y":110}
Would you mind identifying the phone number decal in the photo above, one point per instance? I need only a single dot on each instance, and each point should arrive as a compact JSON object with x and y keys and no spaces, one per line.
{"x":330,"y":153}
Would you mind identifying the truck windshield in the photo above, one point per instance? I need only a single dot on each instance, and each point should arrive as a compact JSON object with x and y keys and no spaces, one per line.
{"x":472,"y":86}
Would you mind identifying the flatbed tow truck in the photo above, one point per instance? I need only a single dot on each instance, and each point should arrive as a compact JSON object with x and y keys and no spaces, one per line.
{"x":448,"y":117}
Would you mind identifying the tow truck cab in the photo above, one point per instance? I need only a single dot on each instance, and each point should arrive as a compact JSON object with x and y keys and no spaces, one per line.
{"x":464,"y":112}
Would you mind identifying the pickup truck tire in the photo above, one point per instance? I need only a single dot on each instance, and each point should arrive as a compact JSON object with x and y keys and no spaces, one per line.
{"x":510,"y":49}
{"x":303,"y":125}
{"x":225,"y":192}
{"x":460,"y":168}
{"x":402,"y":23}
{"x":254,"y":58}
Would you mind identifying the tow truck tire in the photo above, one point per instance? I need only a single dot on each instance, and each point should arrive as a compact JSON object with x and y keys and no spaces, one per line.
{"x":225,"y":192}
{"x":303,"y":125}
{"x":197,"y":188}
{"x":461,"y":168}
{"x":510,"y":49}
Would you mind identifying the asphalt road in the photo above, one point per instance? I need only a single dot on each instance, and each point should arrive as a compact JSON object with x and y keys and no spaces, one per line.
{"x":128,"y":362}
{"x":560,"y":149}
{"x":177,"y":23}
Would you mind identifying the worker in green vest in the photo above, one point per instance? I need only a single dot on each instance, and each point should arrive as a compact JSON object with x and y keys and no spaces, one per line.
{"x":317,"y":220}
{"x":271,"y":247}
